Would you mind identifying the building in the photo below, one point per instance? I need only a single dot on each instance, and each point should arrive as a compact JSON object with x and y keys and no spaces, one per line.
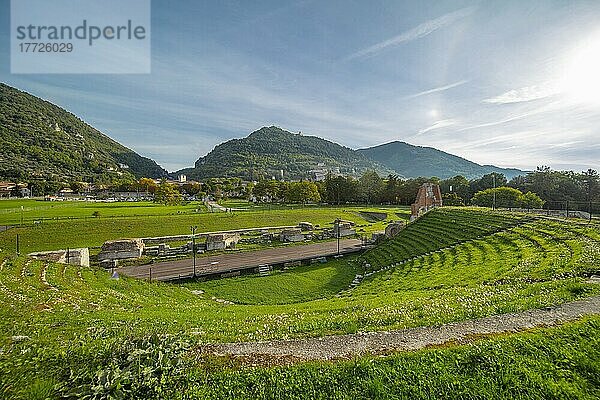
{"x":428,"y":197}
{"x":11,"y":189}
{"x":6,"y":188}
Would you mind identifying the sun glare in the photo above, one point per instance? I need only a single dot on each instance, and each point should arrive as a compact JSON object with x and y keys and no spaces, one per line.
{"x":582,"y":76}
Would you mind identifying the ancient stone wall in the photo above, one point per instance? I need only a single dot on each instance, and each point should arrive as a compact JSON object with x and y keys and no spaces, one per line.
{"x":428,"y":197}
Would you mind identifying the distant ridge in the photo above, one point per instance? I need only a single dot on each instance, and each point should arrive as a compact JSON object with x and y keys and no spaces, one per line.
{"x":415,"y":161}
{"x":269,"y":150}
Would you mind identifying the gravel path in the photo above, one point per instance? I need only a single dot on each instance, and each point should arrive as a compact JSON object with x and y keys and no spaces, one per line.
{"x":348,"y":346}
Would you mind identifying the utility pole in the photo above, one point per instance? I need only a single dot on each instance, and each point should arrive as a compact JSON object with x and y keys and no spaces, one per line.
{"x":337,"y":226}
{"x":193,"y":228}
{"x":494,"y":203}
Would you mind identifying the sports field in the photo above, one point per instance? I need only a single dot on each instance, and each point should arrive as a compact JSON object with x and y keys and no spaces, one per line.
{"x":60,"y":225}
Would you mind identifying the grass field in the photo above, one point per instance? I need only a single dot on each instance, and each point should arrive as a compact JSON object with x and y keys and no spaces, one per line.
{"x":71,"y":225}
{"x":453,"y":264}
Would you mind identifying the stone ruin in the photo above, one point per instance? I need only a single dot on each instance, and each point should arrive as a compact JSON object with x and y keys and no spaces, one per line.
{"x":343,"y":228}
{"x":221,"y":241}
{"x":121,"y":249}
{"x":291,"y":235}
{"x":394,"y":228}
{"x":306,"y":226}
{"x":79,"y":257}
{"x":428,"y":197}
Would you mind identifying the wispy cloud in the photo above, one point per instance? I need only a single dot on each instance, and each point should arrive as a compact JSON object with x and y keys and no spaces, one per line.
{"x":524,"y":94}
{"x":438,"y":125}
{"x":435,"y":90}
{"x":515,"y":117}
{"x":417,"y":32}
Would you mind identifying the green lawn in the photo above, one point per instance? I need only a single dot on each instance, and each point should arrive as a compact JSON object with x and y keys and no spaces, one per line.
{"x":451,"y":265}
{"x":73,"y":228}
{"x":296,"y":285}
{"x":39,"y":210}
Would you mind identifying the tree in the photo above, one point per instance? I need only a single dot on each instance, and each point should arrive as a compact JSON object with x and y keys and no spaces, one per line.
{"x":452,"y":199}
{"x":459,"y":185}
{"x":531,"y":200}
{"x":339,"y":189}
{"x":148,"y":185}
{"x":506,"y":197}
{"x":371,"y":187}
{"x":76,"y":186}
{"x":487,"y":182}
{"x":391,"y":190}
{"x":302,"y":192}
{"x":167,"y":194}
{"x":409,"y":189}
{"x":191,"y":188}
{"x":591,"y":184}
{"x":267,"y":190}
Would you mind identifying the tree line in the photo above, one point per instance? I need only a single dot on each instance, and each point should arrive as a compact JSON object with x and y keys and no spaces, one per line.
{"x":543,"y":187}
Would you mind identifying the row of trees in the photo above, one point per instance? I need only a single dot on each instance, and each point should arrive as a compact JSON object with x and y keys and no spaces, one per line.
{"x":530,"y":191}
{"x":504,"y":197}
{"x":555,"y":188}
{"x":289,"y":192}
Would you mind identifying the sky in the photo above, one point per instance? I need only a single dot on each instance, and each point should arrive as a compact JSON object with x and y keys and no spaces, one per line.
{"x":508,"y":83}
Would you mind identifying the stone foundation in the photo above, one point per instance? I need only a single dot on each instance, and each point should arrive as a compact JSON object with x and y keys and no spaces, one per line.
{"x":79,"y":257}
{"x":222,"y":241}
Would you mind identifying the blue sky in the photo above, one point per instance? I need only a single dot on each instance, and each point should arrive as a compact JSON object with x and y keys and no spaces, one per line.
{"x":510,"y":83}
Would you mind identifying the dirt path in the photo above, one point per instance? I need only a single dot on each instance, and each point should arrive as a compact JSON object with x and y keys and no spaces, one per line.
{"x":348,"y":346}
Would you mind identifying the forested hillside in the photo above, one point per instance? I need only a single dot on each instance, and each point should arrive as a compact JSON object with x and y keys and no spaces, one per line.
{"x":269,"y":150}
{"x":41,"y":140}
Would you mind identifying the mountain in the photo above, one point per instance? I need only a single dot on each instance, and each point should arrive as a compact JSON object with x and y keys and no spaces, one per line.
{"x":414,"y":161}
{"x":270,"y":150}
{"x":40,"y":139}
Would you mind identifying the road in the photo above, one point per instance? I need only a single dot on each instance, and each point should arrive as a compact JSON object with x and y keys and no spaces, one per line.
{"x":231,"y":262}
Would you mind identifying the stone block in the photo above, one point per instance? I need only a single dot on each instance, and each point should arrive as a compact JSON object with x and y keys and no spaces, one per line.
{"x":221,"y":241}
{"x":121,"y":249}
{"x":71,"y":256}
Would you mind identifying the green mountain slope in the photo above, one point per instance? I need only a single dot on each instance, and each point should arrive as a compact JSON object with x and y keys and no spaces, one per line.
{"x":414,"y":161}
{"x":40,"y":139}
{"x":269,"y":150}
